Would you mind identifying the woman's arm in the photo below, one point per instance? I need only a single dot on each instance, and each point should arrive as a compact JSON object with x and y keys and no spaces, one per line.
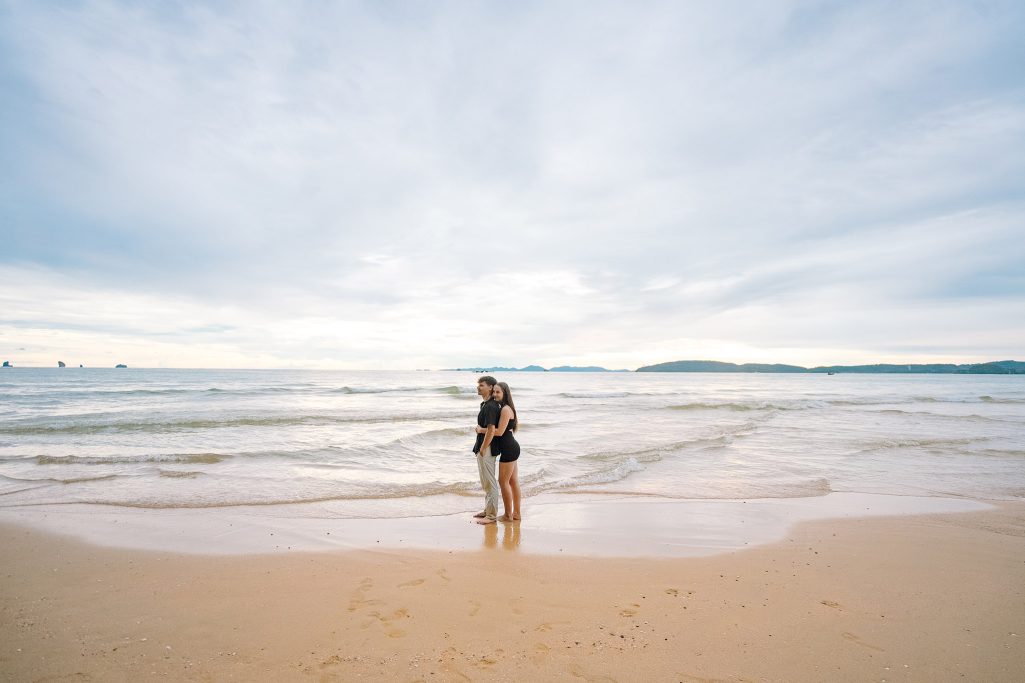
{"x":503,"y":420}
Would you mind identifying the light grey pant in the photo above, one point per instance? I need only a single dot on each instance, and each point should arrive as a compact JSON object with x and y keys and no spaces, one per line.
{"x":486,"y":466}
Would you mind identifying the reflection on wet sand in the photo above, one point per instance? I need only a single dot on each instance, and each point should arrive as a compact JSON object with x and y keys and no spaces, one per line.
{"x":490,"y":535}
{"x":510,"y":536}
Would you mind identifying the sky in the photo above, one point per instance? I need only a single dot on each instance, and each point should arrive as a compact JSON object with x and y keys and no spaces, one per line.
{"x":393,"y":185}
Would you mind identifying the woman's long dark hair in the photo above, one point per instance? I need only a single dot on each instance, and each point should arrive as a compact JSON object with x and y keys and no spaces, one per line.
{"x":507,"y":401}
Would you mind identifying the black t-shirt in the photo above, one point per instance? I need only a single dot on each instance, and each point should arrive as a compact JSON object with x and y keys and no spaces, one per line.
{"x":488,"y":416}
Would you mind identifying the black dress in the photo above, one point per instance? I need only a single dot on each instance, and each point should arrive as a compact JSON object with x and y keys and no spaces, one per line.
{"x":507,"y":442}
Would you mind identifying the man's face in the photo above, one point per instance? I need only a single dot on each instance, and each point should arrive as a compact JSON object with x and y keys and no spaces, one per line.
{"x":484,"y":390}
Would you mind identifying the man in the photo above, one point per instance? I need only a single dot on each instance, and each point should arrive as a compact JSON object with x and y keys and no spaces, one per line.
{"x":487,"y":454}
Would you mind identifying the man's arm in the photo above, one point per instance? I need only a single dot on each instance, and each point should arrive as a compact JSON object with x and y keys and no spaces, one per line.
{"x":488,"y":436}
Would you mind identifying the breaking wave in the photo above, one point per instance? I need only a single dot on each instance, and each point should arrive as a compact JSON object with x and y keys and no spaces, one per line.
{"x":194,"y":424}
{"x":184,"y":458}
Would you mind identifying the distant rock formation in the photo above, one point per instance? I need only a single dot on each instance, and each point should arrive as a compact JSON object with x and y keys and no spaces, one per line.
{"x":7,"y":364}
{"x":538,"y":368}
{"x":120,"y":365}
{"x":60,"y":364}
{"x":718,"y":366}
{"x":498,"y":368}
{"x":1004,"y":367}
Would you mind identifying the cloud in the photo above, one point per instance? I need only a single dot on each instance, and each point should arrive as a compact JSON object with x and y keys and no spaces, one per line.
{"x":397,"y":186}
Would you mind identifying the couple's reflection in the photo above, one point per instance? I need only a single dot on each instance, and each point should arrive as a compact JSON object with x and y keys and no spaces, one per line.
{"x":510,"y":535}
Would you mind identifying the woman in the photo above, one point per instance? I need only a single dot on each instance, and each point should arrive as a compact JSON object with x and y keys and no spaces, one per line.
{"x":508,"y":472}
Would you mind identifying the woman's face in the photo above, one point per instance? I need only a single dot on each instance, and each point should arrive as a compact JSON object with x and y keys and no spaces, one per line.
{"x":497,"y":393}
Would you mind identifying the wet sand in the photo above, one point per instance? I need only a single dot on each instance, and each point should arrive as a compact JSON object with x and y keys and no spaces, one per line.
{"x":570,"y":524}
{"x":908,"y":598}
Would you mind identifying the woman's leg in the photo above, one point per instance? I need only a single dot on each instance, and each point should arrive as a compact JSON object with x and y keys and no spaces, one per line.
{"x":514,"y":484}
{"x":505,"y":471}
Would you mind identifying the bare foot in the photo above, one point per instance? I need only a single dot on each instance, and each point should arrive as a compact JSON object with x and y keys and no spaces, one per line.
{"x":485,"y":520}
{"x":516,"y":518}
{"x":480,"y":515}
{"x":505,"y":518}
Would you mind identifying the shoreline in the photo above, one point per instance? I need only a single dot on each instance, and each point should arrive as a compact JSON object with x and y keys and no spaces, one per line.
{"x":586,"y":525}
{"x":937,"y":597}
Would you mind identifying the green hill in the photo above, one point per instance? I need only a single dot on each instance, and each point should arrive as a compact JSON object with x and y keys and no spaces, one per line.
{"x":718,"y":366}
{"x":1003,"y":367}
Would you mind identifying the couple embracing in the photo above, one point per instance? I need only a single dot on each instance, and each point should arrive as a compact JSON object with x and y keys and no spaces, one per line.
{"x":496,"y":445}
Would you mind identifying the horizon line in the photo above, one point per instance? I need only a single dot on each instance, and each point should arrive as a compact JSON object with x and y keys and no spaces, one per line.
{"x":488,"y":368}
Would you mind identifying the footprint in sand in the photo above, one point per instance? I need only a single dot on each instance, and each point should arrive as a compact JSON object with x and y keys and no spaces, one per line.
{"x":385,"y":621}
{"x":591,"y":677}
{"x":541,"y":652}
{"x":329,"y":669}
{"x":410,"y":584}
{"x":550,"y":625}
{"x":627,"y":612}
{"x":401,"y":613}
{"x":691,"y":678}
{"x":359,"y":596}
{"x":333,"y":660}
{"x":448,"y":665}
{"x":672,"y":591}
{"x":486,"y":662}
{"x":830,"y":603}
{"x":855,"y":639}
{"x":474,"y":608}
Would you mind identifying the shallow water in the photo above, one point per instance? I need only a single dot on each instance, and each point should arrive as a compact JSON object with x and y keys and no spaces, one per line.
{"x":389,"y":444}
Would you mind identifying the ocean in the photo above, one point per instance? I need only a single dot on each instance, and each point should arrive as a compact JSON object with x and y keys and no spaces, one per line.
{"x":397,"y":444}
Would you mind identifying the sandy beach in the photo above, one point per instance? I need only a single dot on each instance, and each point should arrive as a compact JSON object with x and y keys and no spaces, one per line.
{"x":722,"y":303}
{"x":900,"y":598}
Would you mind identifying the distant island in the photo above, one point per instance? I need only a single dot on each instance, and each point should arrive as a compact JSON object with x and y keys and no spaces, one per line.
{"x":1003,"y":367}
{"x":536,"y":368}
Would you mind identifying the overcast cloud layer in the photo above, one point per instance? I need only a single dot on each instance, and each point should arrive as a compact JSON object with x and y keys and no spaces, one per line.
{"x":399,"y":185}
